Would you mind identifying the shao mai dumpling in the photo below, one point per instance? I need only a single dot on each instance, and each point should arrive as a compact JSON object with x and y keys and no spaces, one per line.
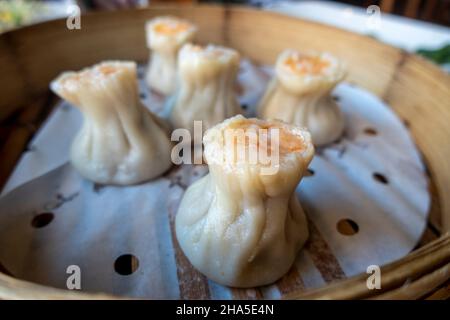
{"x":207,"y":76}
{"x":121,"y":142}
{"x":242,"y":224}
{"x":300,"y":93}
{"x":165,"y":36}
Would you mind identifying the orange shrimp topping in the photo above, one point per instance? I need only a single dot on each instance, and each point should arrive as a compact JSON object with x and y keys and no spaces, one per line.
{"x":306,"y":64}
{"x":171,"y":28}
{"x":106,"y":69}
{"x":288,"y":142}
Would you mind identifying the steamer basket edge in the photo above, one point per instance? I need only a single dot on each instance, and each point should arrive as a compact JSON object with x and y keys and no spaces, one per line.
{"x":417,"y":91}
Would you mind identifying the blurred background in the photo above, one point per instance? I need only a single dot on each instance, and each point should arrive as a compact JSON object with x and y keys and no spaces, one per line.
{"x":420,"y":26}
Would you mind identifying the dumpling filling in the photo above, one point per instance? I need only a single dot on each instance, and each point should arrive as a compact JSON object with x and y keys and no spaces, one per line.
{"x":207,"y":76}
{"x":120,"y":142}
{"x":300,"y":93}
{"x":242,"y":225}
{"x":165,"y":36}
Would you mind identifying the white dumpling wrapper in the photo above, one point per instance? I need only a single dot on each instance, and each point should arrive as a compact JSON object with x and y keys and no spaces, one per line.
{"x":120,"y":142}
{"x":237,"y":225}
{"x":300,"y":93}
{"x":207,"y":78}
{"x":165,"y":36}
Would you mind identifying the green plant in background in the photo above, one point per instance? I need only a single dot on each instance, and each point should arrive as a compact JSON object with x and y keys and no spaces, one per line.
{"x":439,"y":56}
{"x":15,"y":13}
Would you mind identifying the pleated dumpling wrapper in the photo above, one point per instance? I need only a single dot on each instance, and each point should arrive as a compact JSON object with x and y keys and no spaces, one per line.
{"x":300,"y":93}
{"x":242,"y":224}
{"x":165,"y":37}
{"x":120,"y":142}
{"x":207,"y":77}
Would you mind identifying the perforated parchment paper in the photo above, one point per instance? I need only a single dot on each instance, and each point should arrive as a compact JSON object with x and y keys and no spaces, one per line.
{"x":372,"y":178}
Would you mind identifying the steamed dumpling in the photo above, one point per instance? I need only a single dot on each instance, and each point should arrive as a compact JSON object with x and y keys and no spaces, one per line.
{"x":207,"y":76}
{"x":242,"y":224}
{"x":120,"y":142}
{"x":165,"y":36}
{"x":300,"y":93}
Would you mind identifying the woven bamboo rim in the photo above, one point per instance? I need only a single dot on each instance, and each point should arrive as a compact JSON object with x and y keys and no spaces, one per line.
{"x":418,"y":91}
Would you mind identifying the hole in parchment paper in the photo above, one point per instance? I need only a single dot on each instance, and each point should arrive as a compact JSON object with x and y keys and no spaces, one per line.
{"x":42,"y":219}
{"x":380,"y":178}
{"x":347,"y":227}
{"x":309,"y":172}
{"x":370,"y":131}
{"x":126,"y":264}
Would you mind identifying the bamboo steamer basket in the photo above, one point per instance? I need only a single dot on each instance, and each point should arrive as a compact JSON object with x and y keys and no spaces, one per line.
{"x":418,"y":92}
